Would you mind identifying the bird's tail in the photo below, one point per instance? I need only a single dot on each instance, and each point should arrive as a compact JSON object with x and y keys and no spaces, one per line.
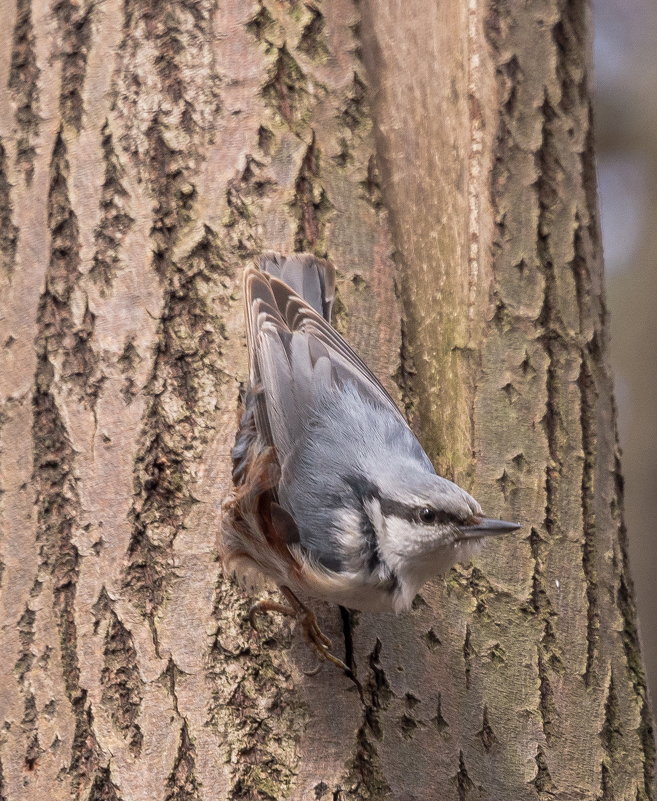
{"x":310,"y":277}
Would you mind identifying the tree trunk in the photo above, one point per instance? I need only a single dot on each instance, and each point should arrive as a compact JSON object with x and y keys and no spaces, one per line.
{"x":441,"y":155}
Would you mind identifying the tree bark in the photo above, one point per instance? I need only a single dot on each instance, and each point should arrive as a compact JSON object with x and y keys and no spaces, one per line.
{"x":441,"y":155}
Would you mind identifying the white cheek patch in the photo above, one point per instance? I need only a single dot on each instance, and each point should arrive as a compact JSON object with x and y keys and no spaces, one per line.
{"x":402,"y":539}
{"x":350,"y":540}
{"x":373,"y":509}
{"x":394,"y":534}
{"x":415,"y":553}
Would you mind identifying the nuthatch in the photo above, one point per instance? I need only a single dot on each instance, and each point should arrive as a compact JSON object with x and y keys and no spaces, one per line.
{"x":334,"y":497}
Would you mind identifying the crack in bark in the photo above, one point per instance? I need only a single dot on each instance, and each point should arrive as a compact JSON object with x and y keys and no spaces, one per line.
{"x":465,"y":787}
{"x":355,"y":120}
{"x":611,"y":736}
{"x":122,"y":685}
{"x":182,"y":784}
{"x":310,"y":204}
{"x":64,"y":341}
{"x":486,"y":733}
{"x":8,"y":231}
{"x":183,"y":75}
{"x":75,"y":25}
{"x":543,"y":780}
{"x":103,"y":789}
{"x":127,"y":362}
{"x":365,"y":780}
{"x":24,"y":85}
{"x":260,"y":23}
{"x":371,"y":185}
{"x":438,"y":720}
{"x":115,"y":221}
{"x":30,"y":727}
{"x":26,"y":636}
{"x":312,"y":41}
{"x":631,"y":646}
{"x":286,"y":90}
{"x":611,"y":733}
{"x":468,"y":653}
{"x":355,"y":113}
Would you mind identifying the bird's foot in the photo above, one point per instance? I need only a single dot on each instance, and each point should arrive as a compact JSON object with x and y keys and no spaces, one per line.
{"x":314,"y":635}
{"x":262,"y":607}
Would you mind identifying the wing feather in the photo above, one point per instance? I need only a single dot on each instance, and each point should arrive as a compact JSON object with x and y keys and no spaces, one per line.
{"x":294,"y":355}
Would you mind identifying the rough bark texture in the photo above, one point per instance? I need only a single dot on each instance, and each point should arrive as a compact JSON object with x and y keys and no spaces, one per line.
{"x":441,"y":155}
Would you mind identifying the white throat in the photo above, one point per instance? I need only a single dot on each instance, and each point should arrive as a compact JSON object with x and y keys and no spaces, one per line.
{"x":414,"y":553}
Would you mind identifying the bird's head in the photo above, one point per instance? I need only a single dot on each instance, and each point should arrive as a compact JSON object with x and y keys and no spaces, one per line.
{"x":424,"y":524}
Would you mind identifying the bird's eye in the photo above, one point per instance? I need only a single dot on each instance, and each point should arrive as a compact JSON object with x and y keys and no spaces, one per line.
{"x":428,"y":515}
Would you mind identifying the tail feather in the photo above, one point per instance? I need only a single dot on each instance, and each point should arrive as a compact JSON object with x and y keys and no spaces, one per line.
{"x":310,"y":277}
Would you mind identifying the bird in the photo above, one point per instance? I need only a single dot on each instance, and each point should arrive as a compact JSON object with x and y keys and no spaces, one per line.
{"x":333,"y":496}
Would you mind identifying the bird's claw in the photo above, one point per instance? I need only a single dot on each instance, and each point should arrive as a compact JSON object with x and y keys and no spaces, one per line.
{"x":262,"y":607}
{"x":314,"y":635}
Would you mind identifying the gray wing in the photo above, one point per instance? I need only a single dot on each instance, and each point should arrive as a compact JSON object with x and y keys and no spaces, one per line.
{"x":295,"y":354}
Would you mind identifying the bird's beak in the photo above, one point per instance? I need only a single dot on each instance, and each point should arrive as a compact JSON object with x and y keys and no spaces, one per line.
{"x":487,"y":527}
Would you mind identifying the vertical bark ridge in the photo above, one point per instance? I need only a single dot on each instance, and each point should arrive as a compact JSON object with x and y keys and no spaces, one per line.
{"x":186,"y":375}
{"x":432,"y":247}
{"x":168,"y":147}
{"x":24,"y":85}
{"x":587,"y":403}
{"x":254,"y":701}
{"x":179,"y":74}
{"x":571,"y":673}
{"x":557,"y":346}
{"x":624,"y":595}
{"x":611,"y":735}
{"x":636,"y":672}
{"x":65,"y":361}
{"x":516,"y":268}
{"x":66,"y":320}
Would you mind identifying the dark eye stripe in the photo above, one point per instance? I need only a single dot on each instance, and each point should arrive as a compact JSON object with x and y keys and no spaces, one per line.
{"x":412,"y":513}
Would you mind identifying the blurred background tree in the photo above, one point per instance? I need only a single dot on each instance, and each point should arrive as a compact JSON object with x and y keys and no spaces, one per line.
{"x":626,"y":105}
